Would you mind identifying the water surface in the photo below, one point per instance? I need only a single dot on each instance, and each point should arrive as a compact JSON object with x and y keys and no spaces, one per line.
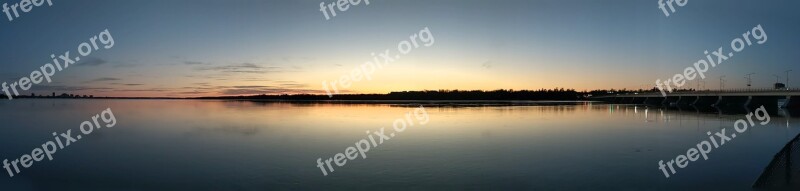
{"x":243,"y":145}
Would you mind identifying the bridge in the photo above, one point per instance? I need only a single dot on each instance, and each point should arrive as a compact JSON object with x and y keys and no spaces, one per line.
{"x":785,"y":98}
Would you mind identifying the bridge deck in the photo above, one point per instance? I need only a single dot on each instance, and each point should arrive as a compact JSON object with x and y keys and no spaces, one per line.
{"x":712,"y":93}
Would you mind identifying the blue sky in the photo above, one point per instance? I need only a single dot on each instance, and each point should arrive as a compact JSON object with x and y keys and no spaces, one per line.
{"x":193,"y":48}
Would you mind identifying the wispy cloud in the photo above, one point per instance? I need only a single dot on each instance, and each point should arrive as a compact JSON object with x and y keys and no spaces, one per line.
{"x":66,"y":88}
{"x":275,"y":87}
{"x":294,"y":59}
{"x":106,"y":79}
{"x":241,"y":68}
{"x":253,"y":91}
{"x":283,"y":87}
{"x":487,"y":64}
{"x":91,"y":61}
{"x":144,"y":90}
{"x":194,"y":63}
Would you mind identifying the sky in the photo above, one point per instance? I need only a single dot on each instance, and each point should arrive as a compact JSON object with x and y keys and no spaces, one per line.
{"x":183,"y":48}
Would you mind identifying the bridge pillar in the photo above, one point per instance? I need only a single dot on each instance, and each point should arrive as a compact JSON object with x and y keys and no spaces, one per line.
{"x":749,"y":99}
{"x":687,"y":100}
{"x":784,"y":103}
{"x":654,"y":100}
{"x":791,"y":103}
{"x":638,"y":100}
{"x":766,"y":101}
{"x":627,"y":100}
{"x":732,"y":101}
{"x":706,"y":101}
{"x":719,"y":100}
{"x":671,"y":100}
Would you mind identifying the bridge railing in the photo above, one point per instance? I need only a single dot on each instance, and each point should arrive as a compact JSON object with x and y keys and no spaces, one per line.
{"x":748,"y":90}
{"x":736,"y":90}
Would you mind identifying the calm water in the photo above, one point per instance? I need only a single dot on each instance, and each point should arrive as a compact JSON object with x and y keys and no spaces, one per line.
{"x":240,"y":145}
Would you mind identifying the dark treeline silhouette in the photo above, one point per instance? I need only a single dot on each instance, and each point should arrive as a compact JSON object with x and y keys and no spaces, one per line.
{"x":556,"y":94}
{"x":543,"y":94}
{"x":53,"y":95}
{"x":626,"y":91}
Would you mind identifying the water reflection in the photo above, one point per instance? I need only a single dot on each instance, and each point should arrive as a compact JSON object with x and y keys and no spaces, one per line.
{"x":223,"y":145}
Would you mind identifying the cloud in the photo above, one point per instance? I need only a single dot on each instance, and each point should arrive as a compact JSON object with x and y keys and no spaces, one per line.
{"x":127,"y":84}
{"x":192,"y":92}
{"x":252,"y":86}
{"x":487,"y":64}
{"x":294,"y":59}
{"x":279,"y":87}
{"x":292,"y":84}
{"x":241,"y":68}
{"x":143,"y":90}
{"x":66,"y":88}
{"x":106,"y":79}
{"x":254,"y":91}
{"x":194,"y":63}
{"x":91,"y":61}
{"x":254,"y":79}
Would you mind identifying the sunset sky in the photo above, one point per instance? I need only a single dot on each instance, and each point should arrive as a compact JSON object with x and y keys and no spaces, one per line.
{"x":208,"y":48}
